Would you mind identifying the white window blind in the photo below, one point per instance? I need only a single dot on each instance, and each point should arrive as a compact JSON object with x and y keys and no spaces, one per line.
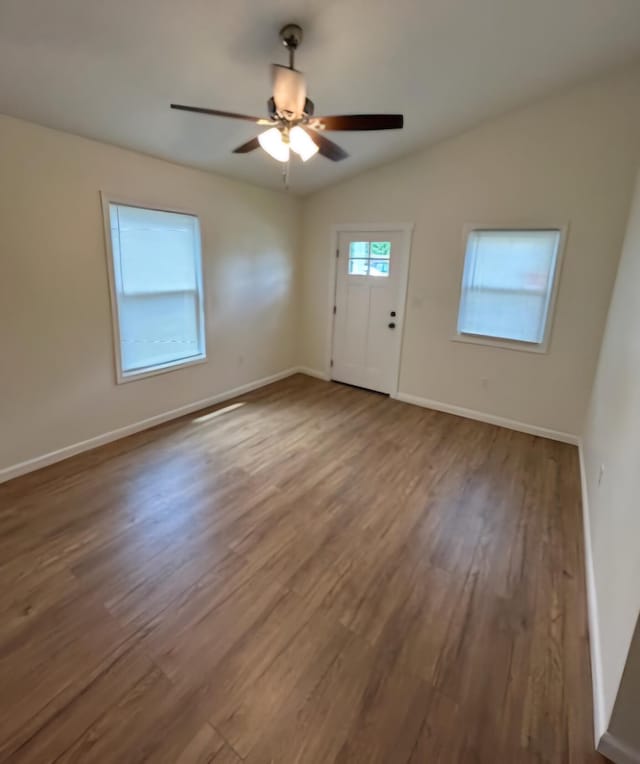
{"x":507,"y":284}
{"x":158,"y":288}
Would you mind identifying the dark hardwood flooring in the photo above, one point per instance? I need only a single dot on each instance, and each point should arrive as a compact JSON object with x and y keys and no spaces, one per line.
{"x":310,"y":573}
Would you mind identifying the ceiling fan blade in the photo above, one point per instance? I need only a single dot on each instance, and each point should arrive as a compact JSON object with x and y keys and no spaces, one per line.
{"x":327,"y":148}
{"x":217,"y":113}
{"x":360,"y":122}
{"x":245,"y":148}
{"x":289,"y":90}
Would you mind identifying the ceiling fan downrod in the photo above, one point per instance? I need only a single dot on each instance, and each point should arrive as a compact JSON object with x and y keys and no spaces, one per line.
{"x":291,"y":37}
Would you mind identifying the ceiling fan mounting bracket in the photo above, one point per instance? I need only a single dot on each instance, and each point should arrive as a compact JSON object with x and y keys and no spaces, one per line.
{"x":291,"y":36}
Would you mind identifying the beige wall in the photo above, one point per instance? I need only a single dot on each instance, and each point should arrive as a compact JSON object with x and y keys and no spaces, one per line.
{"x":612,"y":439}
{"x":57,"y":383}
{"x":569,"y":159}
{"x":624,"y":727}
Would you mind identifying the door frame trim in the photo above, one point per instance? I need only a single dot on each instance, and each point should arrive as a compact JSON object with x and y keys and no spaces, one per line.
{"x":336,"y":230}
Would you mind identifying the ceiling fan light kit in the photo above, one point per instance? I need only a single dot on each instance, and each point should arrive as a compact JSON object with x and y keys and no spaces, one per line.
{"x":302,"y":143}
{"x":291,"y":122}
{"x":272,"y":141}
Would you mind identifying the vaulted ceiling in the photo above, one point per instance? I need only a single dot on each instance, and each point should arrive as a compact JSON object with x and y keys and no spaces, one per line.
{"x":108,"y":70}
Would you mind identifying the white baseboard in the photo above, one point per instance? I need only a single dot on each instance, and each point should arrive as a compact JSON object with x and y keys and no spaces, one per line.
{"x":511,"y":424}
{"x":100,"y":440}
{"x":599,"y":715}
{"x":313,"y":373}
{"x":618,"y":752}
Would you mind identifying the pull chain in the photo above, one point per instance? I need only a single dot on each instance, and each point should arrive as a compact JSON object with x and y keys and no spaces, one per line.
{"x":285,"y":174}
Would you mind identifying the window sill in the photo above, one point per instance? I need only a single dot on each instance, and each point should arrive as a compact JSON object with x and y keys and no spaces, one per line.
{"x":494,"y":342}
{"x":152,"y":371}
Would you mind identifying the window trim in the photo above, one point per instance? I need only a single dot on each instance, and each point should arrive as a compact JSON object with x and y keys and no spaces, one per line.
{"x":509,"y":344}
{"x":122,"y":377}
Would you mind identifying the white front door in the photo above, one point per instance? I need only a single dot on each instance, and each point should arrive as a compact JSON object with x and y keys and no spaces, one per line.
{"x":366,"y":327}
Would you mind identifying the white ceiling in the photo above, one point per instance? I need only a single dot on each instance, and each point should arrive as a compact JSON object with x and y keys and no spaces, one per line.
{"x":108,"y":70}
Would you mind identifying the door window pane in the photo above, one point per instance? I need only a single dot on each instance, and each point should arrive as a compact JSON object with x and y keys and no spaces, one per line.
{"x":359,"y":249}
{"x":358,"y":267}
{"x":380,"y":249}
{"x":379,"y":268}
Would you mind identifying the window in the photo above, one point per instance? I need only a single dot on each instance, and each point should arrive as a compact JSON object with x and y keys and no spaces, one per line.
{"x":508,"y":285}
{"x":369,"y":258}
{"x":156,"y":285}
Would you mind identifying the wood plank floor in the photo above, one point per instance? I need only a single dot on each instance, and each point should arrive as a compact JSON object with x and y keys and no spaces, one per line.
{"x":311,"y":573}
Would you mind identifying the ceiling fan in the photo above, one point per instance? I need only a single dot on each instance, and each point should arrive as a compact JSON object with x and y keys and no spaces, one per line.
{"x":291,"y":121}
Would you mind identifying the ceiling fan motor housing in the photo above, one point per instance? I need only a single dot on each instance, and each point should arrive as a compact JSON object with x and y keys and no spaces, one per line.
{"x":272,"y":111}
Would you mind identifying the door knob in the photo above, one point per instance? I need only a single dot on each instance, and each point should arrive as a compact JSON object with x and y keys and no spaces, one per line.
{"x":392,"y":314}
{"x":392,"y":325}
